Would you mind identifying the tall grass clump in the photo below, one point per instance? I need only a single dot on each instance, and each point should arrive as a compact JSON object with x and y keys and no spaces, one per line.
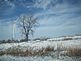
{"x":74,"y":52}
{"x":18,"y":51}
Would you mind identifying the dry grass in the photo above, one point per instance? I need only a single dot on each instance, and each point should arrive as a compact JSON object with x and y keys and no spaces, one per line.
{"x":2,"y":53}
{"x":74,"y":52}
{"x":28,"y":52}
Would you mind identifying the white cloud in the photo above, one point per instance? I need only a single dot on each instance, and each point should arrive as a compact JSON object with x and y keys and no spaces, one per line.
{"x":42,"y":3}
{"x":62,"y":27}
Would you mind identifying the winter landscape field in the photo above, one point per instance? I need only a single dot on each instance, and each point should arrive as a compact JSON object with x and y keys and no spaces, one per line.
{"x":40,"y":30}
{"x":56,"y":49}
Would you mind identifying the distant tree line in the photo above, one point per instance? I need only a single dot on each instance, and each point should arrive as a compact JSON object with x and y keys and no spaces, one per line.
{"x":23,"y":40}
{"x":8,"y":41}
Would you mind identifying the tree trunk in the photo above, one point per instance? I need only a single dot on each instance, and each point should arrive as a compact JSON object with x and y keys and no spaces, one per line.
{"x":27,"y":37}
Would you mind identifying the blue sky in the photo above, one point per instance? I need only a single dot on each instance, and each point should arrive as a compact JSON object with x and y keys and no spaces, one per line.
{"x":56,"y":17}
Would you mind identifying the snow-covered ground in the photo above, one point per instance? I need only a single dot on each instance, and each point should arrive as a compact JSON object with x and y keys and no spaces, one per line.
{"x":45,"y":58}
{"x":56,"y":43}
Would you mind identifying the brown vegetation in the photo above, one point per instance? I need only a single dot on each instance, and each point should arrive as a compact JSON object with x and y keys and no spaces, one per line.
{"x":74,"y":52}
{"x":68,"y":39}
{"x":28,"y":52}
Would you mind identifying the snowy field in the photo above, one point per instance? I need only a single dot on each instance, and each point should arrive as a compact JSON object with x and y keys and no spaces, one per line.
{"x":59,"y":47}
{"x":45,"y":58}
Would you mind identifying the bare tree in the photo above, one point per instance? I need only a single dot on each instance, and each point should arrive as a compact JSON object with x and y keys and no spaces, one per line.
{"x":27,"y":23}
